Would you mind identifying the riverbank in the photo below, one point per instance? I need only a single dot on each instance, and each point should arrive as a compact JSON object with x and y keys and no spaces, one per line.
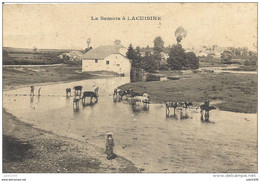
{"x":236,"y":92}
{"x":30,"y":150}
{"x":19,"y":76}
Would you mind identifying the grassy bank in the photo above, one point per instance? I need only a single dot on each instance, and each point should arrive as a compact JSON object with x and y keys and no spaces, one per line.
{"x":237,"y":92}
{"x":31,"y":150}
{"x":26,"y":75}
{"x":246,"y":68}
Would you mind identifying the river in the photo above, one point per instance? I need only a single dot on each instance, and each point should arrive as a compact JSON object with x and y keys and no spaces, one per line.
{"x":149,"y":139}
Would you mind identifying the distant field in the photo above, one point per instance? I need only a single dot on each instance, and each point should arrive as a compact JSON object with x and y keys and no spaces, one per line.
{"x":32,"y":58}
{"x":216,"y":62}
{"x":19,"y":56}
{"x":210,"y":62}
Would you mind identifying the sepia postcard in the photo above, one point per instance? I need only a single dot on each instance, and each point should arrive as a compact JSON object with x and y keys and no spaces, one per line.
{"x":130,"y":88}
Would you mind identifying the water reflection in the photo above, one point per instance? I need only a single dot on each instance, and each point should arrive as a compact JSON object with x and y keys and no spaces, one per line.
{"x":186,"y":115}
{"x":38,"y":98}
{"x":139,"y":108}
{"x":68,"y":99}
{"x":146,"y":77}
{"x":183,"y":114}
{"x":31,"y":101}
{"x":174,"y":116}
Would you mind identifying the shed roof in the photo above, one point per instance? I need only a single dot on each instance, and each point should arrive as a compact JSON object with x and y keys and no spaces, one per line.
{"x":102,"y":51}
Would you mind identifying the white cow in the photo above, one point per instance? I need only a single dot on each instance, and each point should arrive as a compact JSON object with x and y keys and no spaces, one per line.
{"x":142,"y":99}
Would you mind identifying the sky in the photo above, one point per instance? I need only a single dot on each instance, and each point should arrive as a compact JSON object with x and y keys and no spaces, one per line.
{"x":67,"y":26}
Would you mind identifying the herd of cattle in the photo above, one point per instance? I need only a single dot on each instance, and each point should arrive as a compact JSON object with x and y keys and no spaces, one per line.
{"x":86,"y":94}
{"x":143,"y":100}
{"x":134,"y":98}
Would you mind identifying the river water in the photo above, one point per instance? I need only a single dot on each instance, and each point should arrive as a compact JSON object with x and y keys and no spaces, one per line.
{"x":149,"y":139}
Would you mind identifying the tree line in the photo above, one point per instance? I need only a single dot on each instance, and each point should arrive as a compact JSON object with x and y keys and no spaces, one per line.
{"x":152,"y":58}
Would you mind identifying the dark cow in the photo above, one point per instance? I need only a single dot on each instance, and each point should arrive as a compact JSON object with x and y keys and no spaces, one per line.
{"x":125,"y":93}
{"x":89,"y":94}
{"x":77,"y":90}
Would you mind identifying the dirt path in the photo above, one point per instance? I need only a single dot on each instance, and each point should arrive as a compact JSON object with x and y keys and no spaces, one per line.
{"x":31,"y":150}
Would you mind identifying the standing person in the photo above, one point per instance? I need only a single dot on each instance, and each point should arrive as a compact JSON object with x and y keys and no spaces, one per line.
{"x":32,"y":91}
{"x":109,"y":146}
{"x":206,"y":103}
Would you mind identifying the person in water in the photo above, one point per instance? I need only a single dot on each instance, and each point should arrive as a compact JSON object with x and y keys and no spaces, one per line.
{"x":32,"y":91}
{"x":206,"y":103}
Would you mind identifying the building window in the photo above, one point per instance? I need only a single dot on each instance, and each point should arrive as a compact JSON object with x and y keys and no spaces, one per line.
{"x":107,"y":62}
{"x":96,"y":60}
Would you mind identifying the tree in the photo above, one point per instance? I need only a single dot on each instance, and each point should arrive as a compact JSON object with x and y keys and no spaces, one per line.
{"x":226,"y":56}
{"x":158,"y":44}
{"x":193,"y":60}
{"x":138,"y":50}
{"x":158,"y":47}
{"x":149,"y":63}
{"x":177,"y":57}
{"x":147,"y":51}
{"x":132,"y":55}
{"x":179,"y":60}
{"x":130,"y":52}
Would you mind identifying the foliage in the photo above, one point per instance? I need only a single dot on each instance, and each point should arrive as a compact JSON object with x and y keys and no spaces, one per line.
{"x":130,"y":52}
{"x":158,"y":44}
{"x":158,"y":47}
{"x":135,"y":56}
{"x":226,"y":56}
{"x":193,"y":61}
{"x":179,"y":60}
{"x":149,"y":63}
{"x":249,"y":62}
